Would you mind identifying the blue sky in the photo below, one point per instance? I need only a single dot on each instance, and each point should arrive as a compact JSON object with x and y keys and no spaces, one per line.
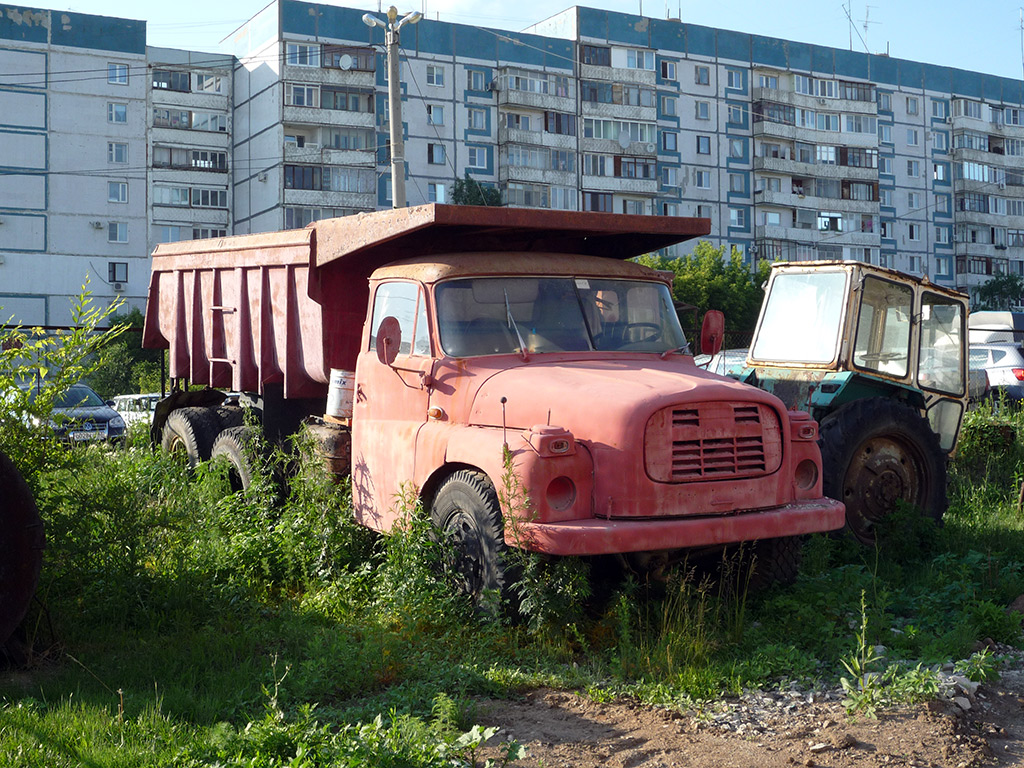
{"x":983,"y":35}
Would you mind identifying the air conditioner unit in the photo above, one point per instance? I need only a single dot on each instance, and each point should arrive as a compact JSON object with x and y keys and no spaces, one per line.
{"x":96,"y":224}
{"x":822,"y":101}
{"x":1002,"y":185}
{"x":494,"y":85}
{"x":118,"y":287}
{"x":949,"y":120}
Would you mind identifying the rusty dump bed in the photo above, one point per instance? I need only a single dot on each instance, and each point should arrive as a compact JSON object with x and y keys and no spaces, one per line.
{"x":286,"y":307}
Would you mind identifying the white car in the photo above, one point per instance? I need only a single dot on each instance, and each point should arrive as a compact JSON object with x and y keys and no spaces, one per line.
{"x":136,"y":408}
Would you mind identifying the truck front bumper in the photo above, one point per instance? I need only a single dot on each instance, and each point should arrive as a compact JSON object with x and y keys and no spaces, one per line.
{"x":603,"y":537}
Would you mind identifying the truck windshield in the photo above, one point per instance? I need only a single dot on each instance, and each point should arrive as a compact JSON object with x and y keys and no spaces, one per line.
{"x":802,"y":318}
{"x":501,"y":315}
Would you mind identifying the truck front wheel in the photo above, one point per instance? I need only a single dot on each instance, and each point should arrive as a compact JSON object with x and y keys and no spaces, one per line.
{"x":191,"y":431}
{"x":875,"y":452}
{"x":466,"y":511}
{"x":235,"y":445}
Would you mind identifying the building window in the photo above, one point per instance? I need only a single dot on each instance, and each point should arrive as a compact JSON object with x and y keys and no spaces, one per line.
{"x":669,"y":141}
{"x":209,"y":198}
{"x":701,"y":75}
{"x":477,"y":80}
{"x":734,"y":79}
{"x":476,"y":157}
{"x":117,"y":232}
{"x":942,"y":235}
{"x":117,"y":113}
{"x":297,"y":95}
{"x":563,"y":198}
{"x":209,"y":121}
{"x":670,"y":176}
{"x":477,"y":119}
{"x":737,"y":148}
{"x":885,"y":165}
{"x":884,"y":133}
{"x":940,"y":141}
{"x":170,"y":80}
{"x":560,"y":122}
{"x":435,"y":154}
{"x":435,"y":75}
{"x":668,"y":70}
{"x":736,"y":182}
{"x":638,"y":59}
{"x":913,"y":200}
{"x":913,"y":168}
{"x":345,"y":99}
{"x":939,"y":172}
{"x":209,"y":84}
{"x":914,"y":232}
{"x":117,"y":271}
{"x":301,"y":55}
{"x":349,"y":58}
{"x":702,"y":110}
{"x":912,"y":137}
{"x":202,"y":233}
{"x":596,"y":55}
{"x":702,"y":179}
{"x":737,"y":218}
{"x":769,"y":81}
{"x":736,"y":114}
{"x":171,"y":118}
{"x":828,"y":121}
{"x":702,"y":211}
{"x":884,"y":102}
{"x":911,"y":105}
{"x":178,"y":196}
{"x":597,"y":201}
{"x":435,"y":192}
{"x":117,"y":152}
{"x":117,"y":74}
{"x":939,"y":109}
{"x":117,"y":191}
{"x":435,"y":114}
{"x":668,"y":105}
{"x":703,"y":145}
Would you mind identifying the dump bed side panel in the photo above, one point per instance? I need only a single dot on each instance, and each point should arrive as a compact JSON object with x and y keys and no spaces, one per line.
{"x":237,"y":313}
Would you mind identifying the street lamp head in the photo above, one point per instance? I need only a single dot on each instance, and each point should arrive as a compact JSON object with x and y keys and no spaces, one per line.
{"x":372,"y":21}
{"x":410,"y":18}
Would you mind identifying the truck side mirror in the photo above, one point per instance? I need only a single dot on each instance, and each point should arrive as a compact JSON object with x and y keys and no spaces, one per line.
{"x":711,"y":332}
{"x":389,"y":339}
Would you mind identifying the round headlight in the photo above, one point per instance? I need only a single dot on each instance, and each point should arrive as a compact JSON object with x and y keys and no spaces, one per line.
{"x":117,"y":422}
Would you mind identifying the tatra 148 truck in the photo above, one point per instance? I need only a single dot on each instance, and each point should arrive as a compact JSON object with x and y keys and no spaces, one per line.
{"x":427,"y":344}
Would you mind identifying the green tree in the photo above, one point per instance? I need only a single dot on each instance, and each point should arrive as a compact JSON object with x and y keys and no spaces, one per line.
{"x":1000,"y":293}
{"x":708,"y":279}
{"x":124,"y":366}
{"x":469,"y":191}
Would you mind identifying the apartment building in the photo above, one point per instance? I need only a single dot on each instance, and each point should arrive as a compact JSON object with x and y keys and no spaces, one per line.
{"x":73,"y":96}
{"x":793,"y":151}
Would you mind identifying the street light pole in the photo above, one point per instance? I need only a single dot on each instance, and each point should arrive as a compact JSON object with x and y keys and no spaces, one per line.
{"x":394,"y":97}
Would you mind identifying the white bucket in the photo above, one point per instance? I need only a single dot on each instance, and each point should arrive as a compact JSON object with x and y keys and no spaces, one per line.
{"x":339,"y":394}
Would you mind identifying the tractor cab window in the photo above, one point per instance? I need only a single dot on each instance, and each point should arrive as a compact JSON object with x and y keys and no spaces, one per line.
{"x":403,"y":301}
{"x":802,"y":318}
{"x":942,"y":332}
{"x":883,"y":327}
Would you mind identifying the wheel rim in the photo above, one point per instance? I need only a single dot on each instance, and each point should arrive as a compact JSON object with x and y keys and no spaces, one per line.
{"x":467,"y":557}
{"x":883,"y":470}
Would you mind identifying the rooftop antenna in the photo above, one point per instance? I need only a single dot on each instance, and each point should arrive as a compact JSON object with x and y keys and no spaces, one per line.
{"x":866,"y":21}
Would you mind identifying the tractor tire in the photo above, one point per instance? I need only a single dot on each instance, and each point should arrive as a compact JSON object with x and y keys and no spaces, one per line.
{"x":21,"y":548}
{"x":875,"y":452}
{"x":191,"y":431}
{"x":465,"y":510}
{"x":230,"y":416}
{"x":235,"y":445}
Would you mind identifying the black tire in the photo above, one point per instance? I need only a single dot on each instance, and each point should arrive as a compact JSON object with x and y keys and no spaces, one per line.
{"x":191,"y":431}
{"x":466,"y":510}
{"x":776,"y":561}
{"x":230,"y":416}
{"x":876,"y":451}
{"x":235,"y":445}
{"x":21,"y":548}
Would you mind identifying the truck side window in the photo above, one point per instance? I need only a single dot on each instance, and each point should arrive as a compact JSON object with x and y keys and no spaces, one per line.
{"x":402,"y":301}
{"x":883,"y":328}
{"x":942,"y":328}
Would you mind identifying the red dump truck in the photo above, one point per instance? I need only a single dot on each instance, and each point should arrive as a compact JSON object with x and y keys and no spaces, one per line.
{"x":425,"y":340}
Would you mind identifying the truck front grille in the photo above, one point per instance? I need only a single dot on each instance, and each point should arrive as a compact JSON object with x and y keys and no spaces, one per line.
{"x":712,"y":441}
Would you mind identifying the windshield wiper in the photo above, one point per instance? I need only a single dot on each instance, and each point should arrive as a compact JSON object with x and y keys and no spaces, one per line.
{"x":685,"y":349}
{"x":512,"y":324}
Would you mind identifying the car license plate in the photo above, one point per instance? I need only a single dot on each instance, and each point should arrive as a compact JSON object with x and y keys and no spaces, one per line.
{"x":81,"y":436}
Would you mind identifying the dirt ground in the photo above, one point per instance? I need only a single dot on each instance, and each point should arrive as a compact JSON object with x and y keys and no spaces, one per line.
{"x":564,"y":729}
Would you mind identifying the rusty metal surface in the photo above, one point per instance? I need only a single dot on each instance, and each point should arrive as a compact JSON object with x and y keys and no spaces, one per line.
{"x":472,"y":263}
{"x":384,"y":236}
{"x":871,"y":269}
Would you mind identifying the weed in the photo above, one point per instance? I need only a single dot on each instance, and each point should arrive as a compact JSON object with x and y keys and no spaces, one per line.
{"x":980,"y":667}
{"x":864,"y":691}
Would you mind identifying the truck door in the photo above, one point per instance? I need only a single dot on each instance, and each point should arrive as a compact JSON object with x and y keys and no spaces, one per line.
{"x":390,"y":405}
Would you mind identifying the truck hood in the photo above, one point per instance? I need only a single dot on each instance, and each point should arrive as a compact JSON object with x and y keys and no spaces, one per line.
{"x":601,"y":400}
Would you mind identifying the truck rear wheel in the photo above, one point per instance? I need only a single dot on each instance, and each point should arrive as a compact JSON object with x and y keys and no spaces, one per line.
{"x":21,"y":548}
{"x":466,"y":510}
{"x":875,"y":452}
{"x":776,"y":561}
{"x":235,"y":445}
{"x":191,"y":431}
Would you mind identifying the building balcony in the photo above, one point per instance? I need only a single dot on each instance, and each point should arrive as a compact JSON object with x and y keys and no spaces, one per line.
{"x":543,"y":101}
{"x":536,"y":138}
{"x":329,"y":76}
{"x":622,"y":185}
{"x":181,"y":214}
{"x":537,"y":176}
{"x":815,"y":103}
{"x":327,"y":199}
{"x":984,"y":251}
{"x":320,"y":155}
{"x":795,"y":200}
{"x":333,"y":117}
{"x":815,"y":236}
{"x":612,"y":147}
{"x":617,"y":74}
{"x":619,"y":112}
{"x":815,"y":170}
{"x":782,"y":131}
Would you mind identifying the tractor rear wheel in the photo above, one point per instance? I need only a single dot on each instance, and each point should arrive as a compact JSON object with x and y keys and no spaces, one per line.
{"x":876,"y":452}
{"x":21,"y":548}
